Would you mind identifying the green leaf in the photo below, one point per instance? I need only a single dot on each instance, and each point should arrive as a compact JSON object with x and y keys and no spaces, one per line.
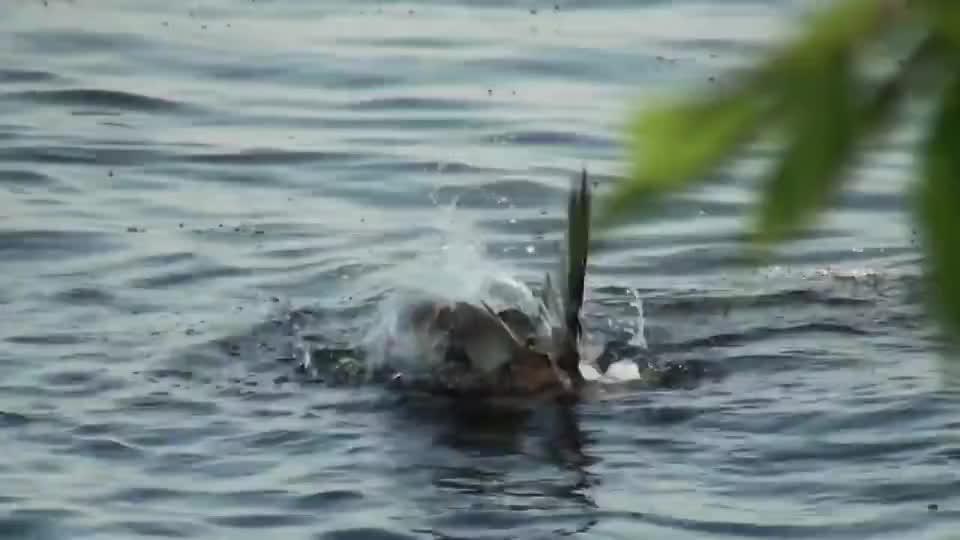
{"x":676,"y":144}
{"x":672,"y":145}
{"x":939,"y":207}
{"x":821,"y":125}
{"x":943,"y":16}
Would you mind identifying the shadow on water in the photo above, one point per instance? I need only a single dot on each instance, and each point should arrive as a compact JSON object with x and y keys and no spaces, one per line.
{"x":492,"y":471}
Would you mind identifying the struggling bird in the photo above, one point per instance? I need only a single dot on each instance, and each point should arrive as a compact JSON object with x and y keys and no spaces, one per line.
{"x":474,"y":351}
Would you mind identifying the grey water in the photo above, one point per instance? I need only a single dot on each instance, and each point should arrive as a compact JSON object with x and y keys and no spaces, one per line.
{"x":191,"y":190}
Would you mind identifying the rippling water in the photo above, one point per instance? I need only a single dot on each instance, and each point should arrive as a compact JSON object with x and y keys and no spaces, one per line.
{"x":189,"y":190}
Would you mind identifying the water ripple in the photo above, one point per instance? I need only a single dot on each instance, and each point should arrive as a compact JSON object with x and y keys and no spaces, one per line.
{"x":195,"y":202}
{"x":94,"y":97}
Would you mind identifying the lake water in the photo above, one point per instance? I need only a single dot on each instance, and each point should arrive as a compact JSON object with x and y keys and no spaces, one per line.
{"x":191,"y":191}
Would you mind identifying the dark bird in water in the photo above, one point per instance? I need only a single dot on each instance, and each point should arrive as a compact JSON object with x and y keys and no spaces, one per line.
{"x":476,"y":351}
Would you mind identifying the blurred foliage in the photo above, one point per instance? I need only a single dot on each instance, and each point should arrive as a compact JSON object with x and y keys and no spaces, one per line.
{"x":819,"y":99}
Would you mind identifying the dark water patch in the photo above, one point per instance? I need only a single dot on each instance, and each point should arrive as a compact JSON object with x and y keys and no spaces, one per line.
{"x":76,"y":383}
{"x":867,"y":408}
{"x":324,"y":500}
{"x":416,"y":42}
{"x":271,"y":156}
{"x":554,"y":138}
{"x":165,"y":259}
{"x":739,"y":529}
{"x":294,"y":253}
{"x":115,"y":124}
{"x":277,"y":438}
{"x":81,"y":155}
{"x":95,"y":113}
{"x":823,"y":451}
{"x":163,"y":402}
{"x":261,"y":521}
{"x":363,"y":81}
{"x":145,"y":495}
{"x":622,"y":244}
{"x":272,"y":413}
{"x":234,"y":468}
{"x":284,"y":71}
{"x":501,"y":193}
{"x":103,"y":448}
{"x":166,"y":373}
{"x":71,"y":378}
{"x":753,"y":335}
{"x":159,"y":529}
{"x":544,"y":66}
{"x":381,"y":140}
{"x":707,"y":303}
{"x":368,"y":533}
{"x":14,"y":76}
{"x":443,"y":168}
{"x":25,"y":178}
{"x":12,"y":419}
{"x":797,"y":256}
{"x":165,"y":438}
{"x":247,"y":72}
{"x":84,"y":296}
{"x":178,"y":462}
{"x":491,"y":521}
{"x":58,"y":339}
{"x":662,"y":415}
{"x":444,"y":123}
{"x":416,"y":104}
{"x":98,"y":429}
{"x":79,"y":42}
{"x":27,"y":527}
{"x":37,"y":244}
{"x":163,"y":496}
{"x":259,"y":178}
{"x":95,"y":97}
{"x":738,"y":362}
{"x":869,"y":202}
{"x":688,"y":262}
{"x":905,"y":491}
{"x":188,"y":277}
{"x":44,"y":514}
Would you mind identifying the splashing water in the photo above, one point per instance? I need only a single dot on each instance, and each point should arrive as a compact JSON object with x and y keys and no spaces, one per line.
{"x":455,"y":270}
{"x":639,"y":338}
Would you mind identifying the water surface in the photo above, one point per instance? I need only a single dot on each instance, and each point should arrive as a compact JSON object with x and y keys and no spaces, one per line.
{"x":189,"y":189}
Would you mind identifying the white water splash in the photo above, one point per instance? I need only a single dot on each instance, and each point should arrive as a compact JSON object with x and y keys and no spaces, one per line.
{"x":639,"y":338}
{"x":456,"y":269}
{"x":622,"y":371}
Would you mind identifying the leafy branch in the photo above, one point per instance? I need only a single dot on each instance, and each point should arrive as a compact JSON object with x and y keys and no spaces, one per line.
{"x":820,"y":99}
